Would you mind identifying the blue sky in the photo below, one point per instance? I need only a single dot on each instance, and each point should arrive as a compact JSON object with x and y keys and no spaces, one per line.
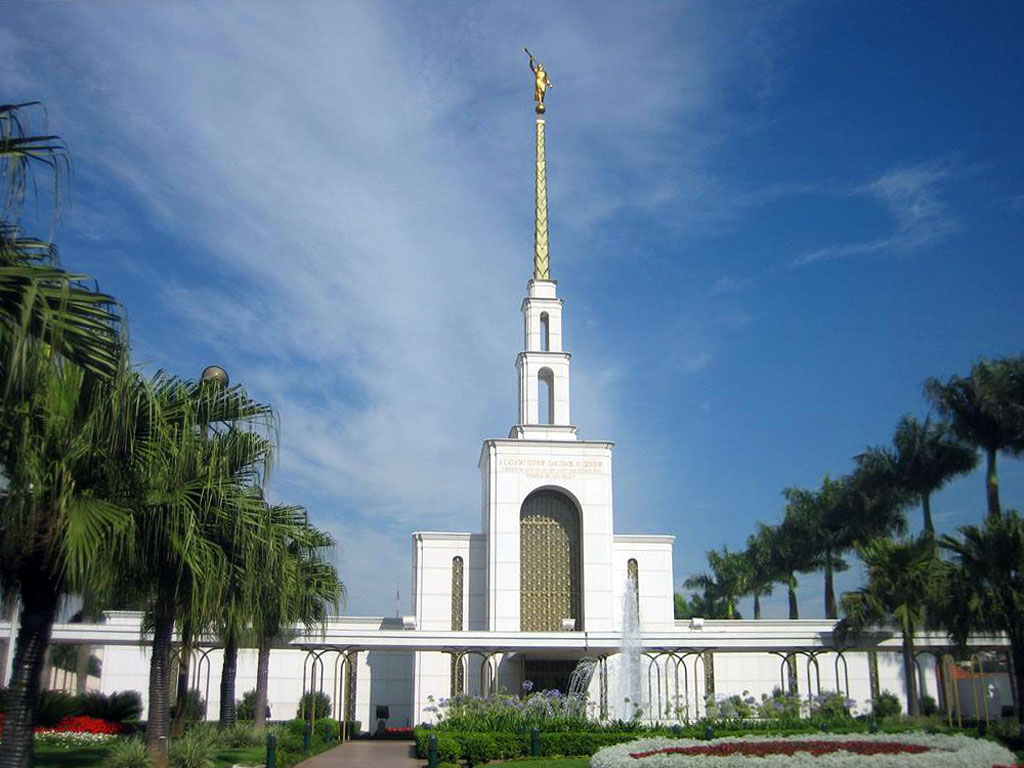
{"x":770,"y":223}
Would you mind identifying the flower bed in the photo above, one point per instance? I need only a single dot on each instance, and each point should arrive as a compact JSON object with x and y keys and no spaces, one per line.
{"x":909,"y":750}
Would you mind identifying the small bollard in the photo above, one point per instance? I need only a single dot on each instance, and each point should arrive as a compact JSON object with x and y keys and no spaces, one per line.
{"x":431,"y":751}
{"x":709,"y":732}
{"x":534,"y":743}
{"x":982,"y":728}
{"x":307,"y":738}
{"x":271,"y":750}
{"x":677,"y":731}
{"x":824,"y":727}
{"x":874,"y":726}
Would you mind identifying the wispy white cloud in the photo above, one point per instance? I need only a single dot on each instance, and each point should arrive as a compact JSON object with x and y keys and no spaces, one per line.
{"x":911,"y":197}
{"x":350,"y":188}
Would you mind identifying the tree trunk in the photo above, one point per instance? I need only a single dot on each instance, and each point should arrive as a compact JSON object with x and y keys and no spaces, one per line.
{"x":794,"y":612}
{"x":262,"y":673}
{"x":910,"y":673}
{"x":84,"y":651}
{"x":830,"y":592}
{"x":926,"y":506}
{"x":39,"y":601}
{"x":181,"y":691}
{"x":992,"y":484}
{"x":757,"y":605}
{"x":227,"y":682}
{"x":158,"y":726}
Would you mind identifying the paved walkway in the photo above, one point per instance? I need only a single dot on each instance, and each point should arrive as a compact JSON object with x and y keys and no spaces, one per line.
{"x":365,"y":753}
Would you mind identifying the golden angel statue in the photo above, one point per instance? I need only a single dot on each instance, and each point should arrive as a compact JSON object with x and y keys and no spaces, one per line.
{"x":541,"y":81}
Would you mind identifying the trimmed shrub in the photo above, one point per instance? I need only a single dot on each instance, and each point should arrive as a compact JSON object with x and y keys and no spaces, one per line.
{"x":55,"y":706}
{"x":310,"y":699}
{"x":195,"y":706}
{"x":928,"y":706}
{"x":478,"y":748}
{"x":886,"y":705}
{"x":245,"y":709}
{"x":115,"y":707}
{"x":130,"y":753}
{"x":327,"y":729}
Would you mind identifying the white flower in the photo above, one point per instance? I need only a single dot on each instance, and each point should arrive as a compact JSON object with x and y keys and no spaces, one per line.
{"x":945,"y":752}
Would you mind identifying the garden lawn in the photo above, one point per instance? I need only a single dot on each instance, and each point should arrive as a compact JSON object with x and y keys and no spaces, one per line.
{"x":50,"y":756}
{"x":225,"y":758}
{"x":555,"y":762}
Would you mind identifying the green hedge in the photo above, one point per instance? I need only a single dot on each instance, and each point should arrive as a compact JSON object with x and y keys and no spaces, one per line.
{"x":477,"y":748}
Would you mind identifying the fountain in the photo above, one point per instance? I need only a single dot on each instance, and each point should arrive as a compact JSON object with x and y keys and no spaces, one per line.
{"x":629,"y":705}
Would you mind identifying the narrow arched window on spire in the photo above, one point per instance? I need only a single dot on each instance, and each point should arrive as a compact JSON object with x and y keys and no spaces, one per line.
{"x":546,"y":396}
{"x":545,"y":330}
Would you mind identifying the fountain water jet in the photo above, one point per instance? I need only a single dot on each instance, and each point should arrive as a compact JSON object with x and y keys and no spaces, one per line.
{"x":629,"y":700}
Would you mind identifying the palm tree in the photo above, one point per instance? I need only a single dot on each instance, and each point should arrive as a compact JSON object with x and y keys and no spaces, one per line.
{"x":832,"y":520}
{"x":787,"y":557}
{"x":726,"y":582}
{"x":903,"y":579}
{"x":300,"y":590}
{"x":64,"y":516}
{"x":987,"y":410}
{"x":824,"y":531}
{"x":190,"y":486}
{"x":990,"y":574}
{"x":922,"y":459}
{"x":761,"y":575}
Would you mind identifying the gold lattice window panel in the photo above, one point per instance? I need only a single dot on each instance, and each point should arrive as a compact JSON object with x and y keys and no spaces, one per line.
{"x":457,"y":579}
{"x":633,"y":573}
{"x":549,"y":563}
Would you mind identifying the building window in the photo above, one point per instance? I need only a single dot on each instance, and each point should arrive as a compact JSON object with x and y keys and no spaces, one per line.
{"x":633,"y":574}
{"x":545,"y":332}
{"x":549,"y":563}
{"x":546,"y":396}
{"x":457,"y":583}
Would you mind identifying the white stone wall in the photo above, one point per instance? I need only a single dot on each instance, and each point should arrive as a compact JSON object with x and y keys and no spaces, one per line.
{"x":582,"y":471}
{"x":654,"y":565}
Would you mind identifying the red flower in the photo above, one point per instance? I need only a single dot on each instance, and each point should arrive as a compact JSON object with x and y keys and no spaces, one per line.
{"x":790,"y":748}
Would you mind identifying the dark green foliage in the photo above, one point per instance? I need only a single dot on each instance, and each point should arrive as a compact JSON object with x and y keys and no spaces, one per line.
{"x":478,"y":748}
{"x":311,"y":700}
{"x":928,"y":706}
{"x":579,"y":744}
{"x":115,"y":707}
{"x":195,"y":706}
{"x":327,"y":729}
{"x":246,"y":708}
{"x":887,"y":705}
{"x":54,"y":706}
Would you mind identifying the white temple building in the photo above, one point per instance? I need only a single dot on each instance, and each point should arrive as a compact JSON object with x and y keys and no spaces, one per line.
{"x":546,"y":588}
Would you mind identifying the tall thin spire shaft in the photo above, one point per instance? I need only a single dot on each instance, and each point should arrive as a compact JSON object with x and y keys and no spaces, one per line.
{"x":541,"y":260}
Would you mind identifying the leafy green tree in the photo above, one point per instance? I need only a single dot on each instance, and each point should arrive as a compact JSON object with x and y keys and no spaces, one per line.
{"x":832,"y":520}
{"x":904,"y":578}
{"x":300,"y":589}
{"x":987,"y":410}
{"x":60,"y":345}
{"x":726,"y":582}
{"x":824,"y":531}
{"x":787,"y":557}
{"x":988,"y":584}
{"x":922,"y":459}
{"x":761,"y":575}
{"x":206,"y":449}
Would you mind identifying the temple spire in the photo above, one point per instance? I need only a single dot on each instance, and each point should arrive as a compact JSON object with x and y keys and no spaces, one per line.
{"x":541,"y":259}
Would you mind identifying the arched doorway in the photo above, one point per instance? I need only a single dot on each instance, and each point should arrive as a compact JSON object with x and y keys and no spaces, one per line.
{"x":549,"y":563}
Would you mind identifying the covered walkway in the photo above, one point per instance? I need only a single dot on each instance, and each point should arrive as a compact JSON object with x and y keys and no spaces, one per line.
{"x":366,"y":753}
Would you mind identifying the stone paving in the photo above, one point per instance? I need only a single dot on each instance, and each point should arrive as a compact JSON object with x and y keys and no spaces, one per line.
{"x":366,"y":753}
